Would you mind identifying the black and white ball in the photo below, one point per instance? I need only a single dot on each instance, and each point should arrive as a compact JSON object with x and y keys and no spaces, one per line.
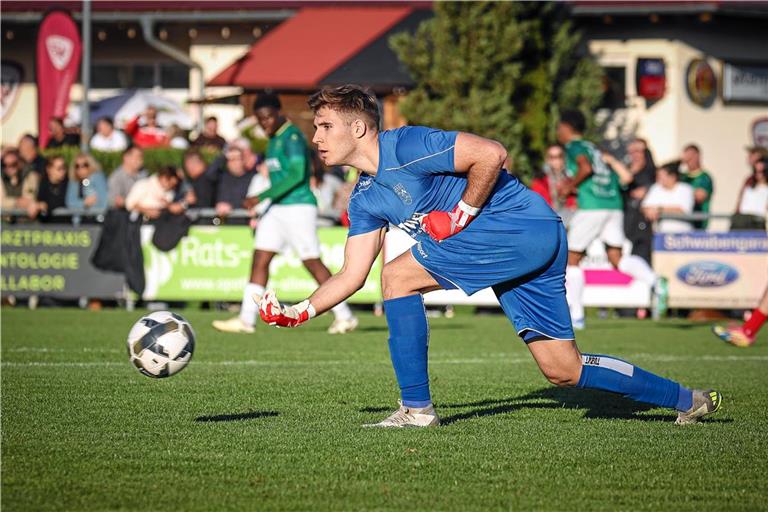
{"x":161,"y":344}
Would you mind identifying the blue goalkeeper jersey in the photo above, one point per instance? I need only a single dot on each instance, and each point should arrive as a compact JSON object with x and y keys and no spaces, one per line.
{"x":416,"y":175}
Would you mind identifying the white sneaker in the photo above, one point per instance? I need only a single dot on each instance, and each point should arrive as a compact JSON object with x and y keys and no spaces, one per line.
{"x":406,"y":417}
{"x":704,"y":402}
{"x":234,"y":325}
{"x":343,"y":326}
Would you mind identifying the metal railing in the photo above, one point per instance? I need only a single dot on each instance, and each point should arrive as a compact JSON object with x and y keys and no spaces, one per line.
{"x":97,"y":214}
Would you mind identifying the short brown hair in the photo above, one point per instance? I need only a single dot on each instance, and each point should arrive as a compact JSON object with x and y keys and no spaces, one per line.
{"x":168,"y":171}
{"x":692,"y":147}
{"x":348,"y":99}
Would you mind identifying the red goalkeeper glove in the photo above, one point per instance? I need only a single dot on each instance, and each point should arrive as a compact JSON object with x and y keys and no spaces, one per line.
{"x":441,"y":225}
{"x":273,"y":313}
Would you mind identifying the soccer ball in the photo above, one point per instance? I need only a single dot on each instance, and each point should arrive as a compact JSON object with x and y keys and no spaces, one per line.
{"x":161,"y":344}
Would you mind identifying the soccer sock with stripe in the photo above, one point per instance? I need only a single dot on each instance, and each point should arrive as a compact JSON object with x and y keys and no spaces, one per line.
{"x":248,"y":307}
{"x":754,"y":323}
{"x":638,"y":268}
{"x":611,"y":374}
{"x":408,"y":344}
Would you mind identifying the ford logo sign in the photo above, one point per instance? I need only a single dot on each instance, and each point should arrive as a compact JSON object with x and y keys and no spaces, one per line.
{"x":707,"y":274}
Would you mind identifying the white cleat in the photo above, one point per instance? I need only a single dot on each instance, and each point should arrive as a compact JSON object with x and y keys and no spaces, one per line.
{"x":704,"y":402}
{"x":234,"y":325}
{"x":343,"y":326}
{"x":406,"y":417}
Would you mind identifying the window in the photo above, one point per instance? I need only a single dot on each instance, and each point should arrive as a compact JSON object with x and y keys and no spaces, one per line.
{"x":614,"y":87}
{"x":174,"y":76}
{"x":168,"y":75}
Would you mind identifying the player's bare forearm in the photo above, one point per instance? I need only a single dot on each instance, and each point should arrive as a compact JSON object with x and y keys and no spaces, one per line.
{"x":338,"y":288}
{"x":482,"y":159}
{"x":584,"y":171}
{"x":359,"y":254}
{"x":625,"y":175}
{"x":481,"y":179}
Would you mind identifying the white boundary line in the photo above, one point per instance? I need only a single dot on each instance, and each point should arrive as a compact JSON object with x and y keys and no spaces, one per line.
{"x":502,"y":360}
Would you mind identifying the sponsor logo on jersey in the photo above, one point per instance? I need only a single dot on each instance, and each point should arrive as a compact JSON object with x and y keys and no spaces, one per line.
{"x":412,"y":226}
{"x":402,"y":193}
{"x":707,"y":274}
{"x":364,"y":183}
{"x":421,"y":251}
{"x":273,"y":164}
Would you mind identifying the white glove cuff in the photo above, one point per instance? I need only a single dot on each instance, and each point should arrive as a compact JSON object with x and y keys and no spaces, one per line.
{"x":306,"y":306}
{"x":470,"y":210}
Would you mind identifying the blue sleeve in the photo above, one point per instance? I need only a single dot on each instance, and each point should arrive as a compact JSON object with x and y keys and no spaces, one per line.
{"x":360,"y":221}
{"x":71,"y":200}
{"x":425,"y":150}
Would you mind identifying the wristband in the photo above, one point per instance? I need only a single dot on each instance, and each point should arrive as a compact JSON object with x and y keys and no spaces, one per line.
{"x":471,"y":210}
{"x":465,"y":213}
{"x":305,"y":305}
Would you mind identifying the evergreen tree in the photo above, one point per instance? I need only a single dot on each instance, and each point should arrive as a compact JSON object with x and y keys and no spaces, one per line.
{"x":503,"y":70}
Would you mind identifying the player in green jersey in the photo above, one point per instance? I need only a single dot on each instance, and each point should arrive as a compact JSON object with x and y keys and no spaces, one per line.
{"x":290,"y":220}
{"x":600,"y":215}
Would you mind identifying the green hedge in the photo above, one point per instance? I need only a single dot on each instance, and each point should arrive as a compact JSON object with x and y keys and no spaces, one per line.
{"x":154,"y":158}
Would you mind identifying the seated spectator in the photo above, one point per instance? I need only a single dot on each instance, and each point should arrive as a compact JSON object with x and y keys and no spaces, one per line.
{"x":123,"y":178}
{"x":59,"y":136}
{"x":669,"y":195}
{"x":752,"y":205}
{"x":28,"y":151}
{"x":546,"y":182}
{"x":145,"y":131}
{"x":176,"y":138}
{"x":53,"y":189}
{"x":150,"y":196}
{"x":210,"y":138}
{"x":107,"y":138}
{"x":233,"y":184}
{"x":700,"y":179}
{"x":201,"y":179}
{"x":18,"y":187}
{"x":87,"y":187}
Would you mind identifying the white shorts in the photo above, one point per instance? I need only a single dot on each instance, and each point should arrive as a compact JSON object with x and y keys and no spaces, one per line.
{"x":289,"y":226}
{"x":588,"y":225}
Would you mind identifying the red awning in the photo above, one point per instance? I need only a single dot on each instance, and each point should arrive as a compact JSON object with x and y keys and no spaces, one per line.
{"x":299,"y":52}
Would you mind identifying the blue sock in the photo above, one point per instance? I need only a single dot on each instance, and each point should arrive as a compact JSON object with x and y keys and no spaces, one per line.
{"x":408,"y":343}
{"x":610,"y":374}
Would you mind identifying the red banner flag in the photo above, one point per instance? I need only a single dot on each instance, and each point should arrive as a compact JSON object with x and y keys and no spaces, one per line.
{"x":58,"y":60}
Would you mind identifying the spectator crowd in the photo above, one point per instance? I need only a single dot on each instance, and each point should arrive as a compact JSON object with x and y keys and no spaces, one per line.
{"x":670,"y":198}
{"x":212,"y":173}
{"x":215,"y":173}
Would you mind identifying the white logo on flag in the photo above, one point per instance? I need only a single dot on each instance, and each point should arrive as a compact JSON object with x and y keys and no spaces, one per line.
{"x":59,"y":50}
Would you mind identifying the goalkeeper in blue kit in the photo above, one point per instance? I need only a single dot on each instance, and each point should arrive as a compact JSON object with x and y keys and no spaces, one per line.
{"x":475,"y":227}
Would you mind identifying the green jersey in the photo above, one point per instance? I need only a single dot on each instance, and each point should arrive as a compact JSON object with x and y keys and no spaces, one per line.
{"x":601,"y":190}
{"x":288,"y":161}
{"x":700,"y":179}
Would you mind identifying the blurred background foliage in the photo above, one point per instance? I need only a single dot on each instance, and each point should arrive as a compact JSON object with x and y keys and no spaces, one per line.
{"x":521,"y":64}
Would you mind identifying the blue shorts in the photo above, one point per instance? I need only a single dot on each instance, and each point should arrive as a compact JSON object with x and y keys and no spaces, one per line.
{"x":522,"y":260}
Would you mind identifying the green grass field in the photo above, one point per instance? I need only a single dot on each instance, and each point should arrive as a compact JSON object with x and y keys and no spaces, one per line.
{"x":272,"y":422}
